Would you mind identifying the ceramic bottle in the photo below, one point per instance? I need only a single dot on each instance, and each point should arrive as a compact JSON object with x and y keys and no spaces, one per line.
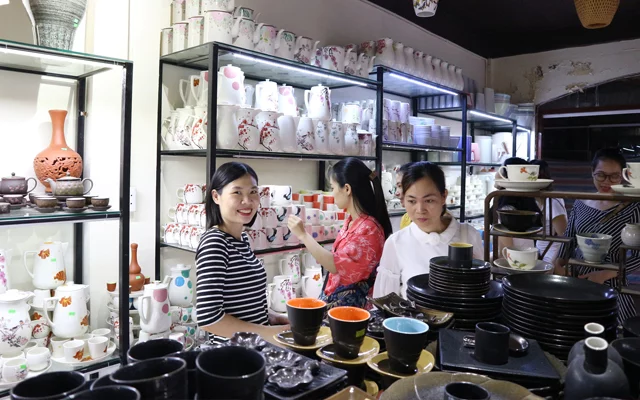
{"x":48,"y":266}
{"x":630,"y":235}
{"x":181,"y":286}
{"x":593,"y":330}
{"x":136,"y":279}
{"x":70,"y":313}
{"x":15,"y":327}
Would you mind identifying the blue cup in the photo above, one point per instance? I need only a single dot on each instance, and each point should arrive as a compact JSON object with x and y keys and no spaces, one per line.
{"x":405,"y":339}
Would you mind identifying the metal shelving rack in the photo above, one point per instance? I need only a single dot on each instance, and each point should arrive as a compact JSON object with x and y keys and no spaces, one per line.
{"x":256,"y":66}
{"x":79,"y":67}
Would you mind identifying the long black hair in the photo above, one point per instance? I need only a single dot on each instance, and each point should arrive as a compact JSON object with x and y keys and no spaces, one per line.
{"x":367,"y":199}
{"x":223,"y":176}
{"x":425,"y":169}
{"x":519,"y":203}
{"x":611,"y":154}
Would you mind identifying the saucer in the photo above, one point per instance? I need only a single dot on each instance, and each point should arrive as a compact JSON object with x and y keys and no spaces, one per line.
{"x":380,"y":364}
{"x":541,"y":266}
{"x":526,"y":186}
{"x":530,"y":231}
{"x":100,"y":208}
{"x":75,"y":210}
{"x":46,"y":209}
{"x":87,"y":361}
{"x":8,"y":385}
{"x":626,"y":189}
{"x":370,"y":348}
{"x":323,"y":338}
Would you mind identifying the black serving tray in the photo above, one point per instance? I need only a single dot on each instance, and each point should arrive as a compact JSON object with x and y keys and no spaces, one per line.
{"x":531,"y":369}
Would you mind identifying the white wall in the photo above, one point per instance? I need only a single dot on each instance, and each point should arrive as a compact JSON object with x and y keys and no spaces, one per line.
{"x":541,"y":77}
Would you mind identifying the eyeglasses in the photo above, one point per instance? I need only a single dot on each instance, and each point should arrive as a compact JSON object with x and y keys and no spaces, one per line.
{"x":601,"y":177}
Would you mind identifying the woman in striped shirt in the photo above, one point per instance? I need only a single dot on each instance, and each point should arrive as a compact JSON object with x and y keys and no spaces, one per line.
{"x":608,"y":217}
{"x":231,"y":281}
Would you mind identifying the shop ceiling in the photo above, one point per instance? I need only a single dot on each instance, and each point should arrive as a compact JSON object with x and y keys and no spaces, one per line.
{"x":500,"y":28}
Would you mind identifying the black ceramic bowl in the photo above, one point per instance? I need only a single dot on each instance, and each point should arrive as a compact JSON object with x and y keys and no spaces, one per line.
{"x":153,"y":349}
{"x":348,"y":326}
{"x":305,"y":316}
{"x":108,"y":393}
{"x":405,"y":339}
{"x":159,"y":378}
{"x":230,"y":372}
{"x":49,"y":386}
{"x":519,"y":221}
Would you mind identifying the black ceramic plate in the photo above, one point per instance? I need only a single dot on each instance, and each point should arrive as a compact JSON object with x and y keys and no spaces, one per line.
{"x":456,"y":308}
{"x":543,"y":338}
{"x":561,"y":313}
{"x":480,"y":284}
{"x":420,"y":285}
{"x":463,"y":273}
{"x":603,"y":306}
{"x":559,"y":322}
{"x":561,"y":308}
{"x":559,"y":288}
{"x":460,"y":278}
{"x":476,"y":265}
{"x":436,"y":284}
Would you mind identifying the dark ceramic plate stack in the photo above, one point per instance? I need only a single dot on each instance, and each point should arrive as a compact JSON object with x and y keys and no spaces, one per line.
{"x":456,"y":281}
{"x":553,"y":309}
{"x":468,"y":309}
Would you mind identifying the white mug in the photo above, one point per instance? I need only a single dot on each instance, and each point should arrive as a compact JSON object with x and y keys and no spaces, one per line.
{"x":180,"y":36}
{"x":191,"y":193}
{"x":282,"y":214}
{"x":74,"y":350}
{"x":38,"y":358}
{"x":275,"y":237}
{"x":269,"y":217}
{"x":179,"y":213}
{"x":318,"y":232}
{"x":166,"y":46}
{"x":299,"y":210}
{"x":280,"y":195}
{"x":265,"y":196}
{"x":193,"y":214}
{"x":521,"y":258}
{"x":520,"y":172}
{"x":196,"y":31}
{"x":14,"y":370}
{"x":56,"y":344}
{"x":632,"y":174}
{"x":98,"y":346}
{"x":290,"y":265}
{"x":289,"y":238}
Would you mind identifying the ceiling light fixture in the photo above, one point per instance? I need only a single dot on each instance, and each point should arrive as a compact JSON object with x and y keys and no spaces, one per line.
{"x":404,"y":78}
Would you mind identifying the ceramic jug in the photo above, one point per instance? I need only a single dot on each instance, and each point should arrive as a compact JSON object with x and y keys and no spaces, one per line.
{"x":285,"y":44}
{"x":269,"y":130}
{"x":248,"y":133}
{"x":200,"y":88}
{"x":351,"y":59}
{"x":231,"y":85}
{"x":351,"y":141}
{"x":304,"y":48}
{"x":243,"y":31}
{"x":169,"y":130}
{"x":286,"y":101}
{"x":444,"y":73}
{"x":248,"y":91}
{"x":267,"y":95}
{"x":428,"y":67}
{"x":154,"y":307}
{"x":199,"y":129}
{"x":322,"y":136}
{"x":418,"y":64}
{"x":368,"y":48}
{"x":287,"y":125}
{"x":48,"y":267}
{"x":5,"y":261}
{"x":410,"y":65}
{"x":385,"y":53}
{"x":437,"y":71}
{"x":181,"y":286}
{"x":336,"y":138}
{"x":186,"y":92}
{"x":15,"y":327}
{"x":334,"y":58}
{"x":184,"y":128}
{"x":312,"y":282}
{"x":70,"y":313}
{"x":290,"y":265}
{"x":305,"y":136}
{"x":365,"y":65}
{"x":227,"y":136}
{"x":224,"y":5}
{"x":218,"y":26}
{"x":453,"y":82}
{"x":264,"y":39}
{"x":459,"y":79}
{"x":281,"y":292}
{"x":398,"y":56}
{"x":318,"y":102}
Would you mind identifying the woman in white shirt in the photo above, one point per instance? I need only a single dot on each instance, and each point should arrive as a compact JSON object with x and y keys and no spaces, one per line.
{"x":407,"y":253}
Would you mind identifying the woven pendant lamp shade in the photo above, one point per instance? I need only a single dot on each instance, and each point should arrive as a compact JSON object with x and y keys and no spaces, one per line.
{"x":595,"y":14}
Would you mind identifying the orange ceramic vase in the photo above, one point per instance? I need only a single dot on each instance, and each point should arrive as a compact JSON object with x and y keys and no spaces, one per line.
{"x":136,"y":279}
{"x":56,"y":160}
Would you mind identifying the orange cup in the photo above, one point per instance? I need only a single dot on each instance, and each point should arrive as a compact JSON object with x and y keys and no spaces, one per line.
{"x":348,"y":327}
{"x":305,"y":316}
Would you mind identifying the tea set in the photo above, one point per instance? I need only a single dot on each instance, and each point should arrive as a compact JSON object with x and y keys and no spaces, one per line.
{"x":521,"y":178}
{"x":189,"y":217}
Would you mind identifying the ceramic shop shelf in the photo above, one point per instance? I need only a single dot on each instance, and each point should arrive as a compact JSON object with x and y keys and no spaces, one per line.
{"x":259,"y":66}
{"x":480,"y":164}
{"x":222,"y":153}
{"x":481,"y":119}
{"x":405,"y":85}
{"x":40,"y":60}
{"x":257,"y":252}
{"x":395,"y":146}
{"x":28,"y":215}
{"x":560,"y":239}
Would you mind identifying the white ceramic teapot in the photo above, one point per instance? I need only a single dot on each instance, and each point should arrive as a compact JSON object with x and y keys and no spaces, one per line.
{"x":269,"y":130}
{"x":15,"y":323}
{"x":70,"y":313}
{"x":48,"y":267}
{"x":5,"y":261}
{"x":318,"y":102}
{"x":199,"y":129}
{"x":181,"y":286}
{"x":285,"y":44}
{"x":286,"y":101}
{"x":231,"y":85}
{"x":218,"y":26}
{"x":364,"y":65}
{"x":154,"y":307}
{"x":227,"y":137}
{"x":243,"y":31}
{"x":267,"y":95}
{"x":384,"y":52}
{"x":334,"y":57}
{"x":304,"y":49}
{"x":264,"y":39}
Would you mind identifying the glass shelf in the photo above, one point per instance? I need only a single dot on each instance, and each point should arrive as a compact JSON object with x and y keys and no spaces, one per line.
{"x":559,"y":239}
{"x":256,"y":252}
{"x":228,"y":153}
{"x":405,"y":85}
{"x":27,"y":215}
{"x":22,"y":57}
{"x":259,"y":66}
{"x":395,"y":146}
{"x":482,"y":120}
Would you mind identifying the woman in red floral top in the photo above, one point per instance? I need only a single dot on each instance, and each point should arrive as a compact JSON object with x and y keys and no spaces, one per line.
{"x":357,"y":250}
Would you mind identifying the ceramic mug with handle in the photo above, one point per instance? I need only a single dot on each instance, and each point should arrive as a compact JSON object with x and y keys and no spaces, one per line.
{"x":312,"y":282}
{"x":290,"y":265}
{"x":521,"y":258}
{"x":632,"y":174}
{"x":281,"y":291}
{"x":520,"y":173}
{"x":191,"y":193}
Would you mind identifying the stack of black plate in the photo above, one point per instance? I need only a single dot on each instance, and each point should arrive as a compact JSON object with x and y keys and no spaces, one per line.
{"x":554,"y":309}
{"x":456,"y":281}
{"x":468,"y":310}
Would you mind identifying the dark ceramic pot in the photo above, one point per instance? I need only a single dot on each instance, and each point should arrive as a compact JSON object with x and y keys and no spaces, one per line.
{"x":153,"y":349}
{"x":519,"y":221}
{"x":159,"y":378}
{"x":108,"y":393}
{"x":305,"y":316}
{"x":348,"y":327}
{"x":49,"y":386}
{"x":629,"y":350}
{"x":231,"y":372}
{"x":103,"y":381}
{"x":405,"y":339}
{"x":190,"y":357}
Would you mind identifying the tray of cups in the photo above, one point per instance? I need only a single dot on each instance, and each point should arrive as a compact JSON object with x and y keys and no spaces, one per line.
{"x":21,"y":366}
{"x":74,"y":352}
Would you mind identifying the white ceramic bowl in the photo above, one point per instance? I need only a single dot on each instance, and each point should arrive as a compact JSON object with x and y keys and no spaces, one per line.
{"x":593,"y":245}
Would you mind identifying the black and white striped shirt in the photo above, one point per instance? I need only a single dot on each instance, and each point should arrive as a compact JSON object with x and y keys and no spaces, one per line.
{"x":584,"y":218}
{"x":230,"y":280}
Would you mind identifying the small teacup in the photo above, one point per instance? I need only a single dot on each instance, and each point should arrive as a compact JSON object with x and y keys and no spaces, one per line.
{"x":405,"y":338}
{"x":520,"y":172}
{"x":106,"y":332}
{"x":460,"y":255}
{"x":57,"y":348}
{"x":76,"y":202}
{"x":14,"y":370}
{"x":492,"y":343}
{"x":38,"y":358}
{"x":305,"y":316}
{"x":185,"y":314}
{"x":348,"y":326}
{"x":98,"y":346}
{"x":175,"y":314}
{"x":74,"y":350}
{"x":521,"y":258}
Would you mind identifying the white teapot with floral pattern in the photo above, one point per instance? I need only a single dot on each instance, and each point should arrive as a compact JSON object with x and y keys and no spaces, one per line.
{"x":15,"y":323}
{"x":70,"y":313}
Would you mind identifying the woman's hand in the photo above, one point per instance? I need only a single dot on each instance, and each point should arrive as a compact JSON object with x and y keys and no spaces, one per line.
{"x":277,"y":319}
{"x":297,"y":226}
{"x":599,"y":276}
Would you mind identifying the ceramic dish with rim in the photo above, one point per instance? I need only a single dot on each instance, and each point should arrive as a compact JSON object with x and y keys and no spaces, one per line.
{"x":395,"y":306}
{"x":291,"y":378}
{"x":351,"y":393}
{"x":531,"y":231}
{"x":380,"y":364}
{"x":323,"y":339}
{"x":87,"y":361}
{"x":525,"y":186}
{"x":541,"y":267}
{"x":626,"y":190}
{"x":370,"y":348}
{"x":559,"y":288}
{"x":4,"y":385}
{"x":74,"y":210}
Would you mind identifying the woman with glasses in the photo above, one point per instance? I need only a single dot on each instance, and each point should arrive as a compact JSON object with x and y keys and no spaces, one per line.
{"x":608,"y":217}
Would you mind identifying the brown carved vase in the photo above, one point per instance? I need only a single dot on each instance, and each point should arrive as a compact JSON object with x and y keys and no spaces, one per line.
{"x":56,"y":160}
{"x":136,"y":279}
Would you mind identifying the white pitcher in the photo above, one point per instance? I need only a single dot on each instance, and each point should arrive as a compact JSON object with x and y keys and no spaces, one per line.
{"x":267,"y":95}
{"x":437,"y":71}
{"x":200,"y":88}
{"x":48,"y":267}
{"x":218,"y":26}
{"x":186,"y":91}
{"x":312,"y":282}
{"x":306,"y":136}
{"x":15,"y":330}
{"x":318,"y":102}
{"x":243,"y":31}
{"x":181,"y":286}
{"x":418,"y":64}
{"x":281,"y":292}
{"x":322,"y":136}
{"x":227,"y":136}
{"x":267,"y":122}
{"x":199,"y":129}
{"x":264,"y":39}
{"x":351,"y":142}
{"x":5,"y":262}
{"x":398,"y":55}
{"x":384,"y":52}
{"x":184,"y":128}
{"x":336,"y":138}
{"x":286,"y":101}
{"x":365,"y":65}
{"x":154,"y":307}
{"x":334,"y":57}
{"x":410,"y":65}
{"x":287,"y":125}
{"x":304,"y":49}
{"x":428,"y":67}
{"x":70,"y":313}
{"x":248,"y":133}
{"x":231,"y":85}
{"x":290,"y":265}
{"x":285,"y":43}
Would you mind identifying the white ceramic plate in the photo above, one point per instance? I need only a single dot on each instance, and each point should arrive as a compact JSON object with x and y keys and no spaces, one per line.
{"x":8,"y":385}
{"x":626,"y":189}
{"x":527,"y":186}
{"x":61,"y":360}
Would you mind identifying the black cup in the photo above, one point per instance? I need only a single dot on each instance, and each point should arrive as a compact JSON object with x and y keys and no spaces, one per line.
{"x":153,"y":349}
{"x":190,"y":358}
{"x":158,"y":378}
{"x":492,"y":343}
{"x":460,"y":255}
{"x":230,"y":372}
{"x":305,"y":317}
{"x":465,"y":391}
{"x":348,"y":328}
{"x":108,"y":393}
{"x":49,"y":386}
{"x":103,"y":381}
{"x":405,"y":339}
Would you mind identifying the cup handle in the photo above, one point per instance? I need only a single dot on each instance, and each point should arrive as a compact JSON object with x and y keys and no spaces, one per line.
{"x":24,"y":259}
{"x":500,"y":173}
{"x":280,"y":265}
{"x":180,"y":193}
{"x":183,"y":86}
{"x":625,"y":174}
{"x":504,"y":253}
{"x":143,"y":314}
{"x":90,"y":185}
{"x":173,"y":217}
{"x":35,"y":183}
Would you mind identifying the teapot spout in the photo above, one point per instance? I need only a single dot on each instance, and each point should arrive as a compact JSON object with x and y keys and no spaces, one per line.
{"x":167,"y":279}
{"x":52,"y":184}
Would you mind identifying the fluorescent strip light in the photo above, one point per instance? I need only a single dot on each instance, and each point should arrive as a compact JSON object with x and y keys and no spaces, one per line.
{"x":591,"y":114}
{"x":493,"y":117}
{"x":53,"y":57}
{"x":416,"y":82}
{"x":629,"y":150}
{"x":318,"y":74}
